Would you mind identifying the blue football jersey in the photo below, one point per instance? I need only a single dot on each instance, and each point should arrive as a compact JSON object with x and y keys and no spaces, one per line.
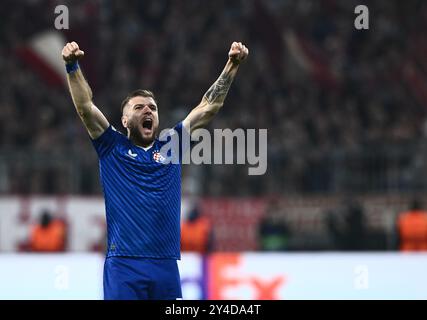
{"x":142,"y":197}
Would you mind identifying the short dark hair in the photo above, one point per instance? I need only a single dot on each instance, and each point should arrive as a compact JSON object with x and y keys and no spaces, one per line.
{"x":137,"y":93}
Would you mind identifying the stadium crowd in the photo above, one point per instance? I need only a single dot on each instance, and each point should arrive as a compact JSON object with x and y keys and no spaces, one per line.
{"x":324,"y":90}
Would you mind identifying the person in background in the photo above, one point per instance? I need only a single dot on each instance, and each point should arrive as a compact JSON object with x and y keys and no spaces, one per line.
{"x":48,"y":235}
{"x":273,"y":233}
{"x":196,"y":233}
{"x":348,"y":228}
{"x":412,"y":228}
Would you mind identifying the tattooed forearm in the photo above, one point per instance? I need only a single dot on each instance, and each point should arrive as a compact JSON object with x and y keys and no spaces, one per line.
{"x":219,"y":89}
{"x":213,"y":100}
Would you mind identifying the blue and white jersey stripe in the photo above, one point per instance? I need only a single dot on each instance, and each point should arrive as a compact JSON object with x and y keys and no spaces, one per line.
{"x":142,"y":197}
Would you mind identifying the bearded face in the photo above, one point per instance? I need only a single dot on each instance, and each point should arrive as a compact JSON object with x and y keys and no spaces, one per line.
{"x":141,"y":119}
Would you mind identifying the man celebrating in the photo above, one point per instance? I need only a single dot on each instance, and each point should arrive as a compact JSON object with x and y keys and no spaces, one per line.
{"x":142,"y":194}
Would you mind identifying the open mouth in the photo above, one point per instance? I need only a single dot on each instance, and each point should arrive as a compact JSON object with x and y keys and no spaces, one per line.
{"x":147,"y":123}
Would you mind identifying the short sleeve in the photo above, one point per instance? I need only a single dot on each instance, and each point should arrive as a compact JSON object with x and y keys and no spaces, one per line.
{"x":183,"y":139}
{"x":105,"y":143}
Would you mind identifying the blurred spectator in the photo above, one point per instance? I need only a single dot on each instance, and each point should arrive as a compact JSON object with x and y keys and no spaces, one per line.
{"x":273,"y":232}
{"x":357,"y":103}
{"x":348,"y":228}
{"x":48,"y":235}
{"x":196,"y":233}
{"x":412,"y":228}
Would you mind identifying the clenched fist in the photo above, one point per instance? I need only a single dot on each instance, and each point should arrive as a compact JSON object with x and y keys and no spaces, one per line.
{"x":238,"y":52}
{"x":71,"y":52}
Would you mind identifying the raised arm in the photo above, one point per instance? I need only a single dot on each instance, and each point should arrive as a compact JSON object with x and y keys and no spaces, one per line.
{"x":93,"y":119}
{"x":214,"y":98}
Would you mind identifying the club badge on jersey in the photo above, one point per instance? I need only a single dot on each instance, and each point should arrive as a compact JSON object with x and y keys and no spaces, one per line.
{"x":157,"y":157}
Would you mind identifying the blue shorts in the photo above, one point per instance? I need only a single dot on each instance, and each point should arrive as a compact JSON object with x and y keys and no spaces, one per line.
{"x":135,"y":278}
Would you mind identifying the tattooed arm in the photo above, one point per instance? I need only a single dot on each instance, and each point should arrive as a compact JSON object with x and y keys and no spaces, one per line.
{"x":214,"y":98}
